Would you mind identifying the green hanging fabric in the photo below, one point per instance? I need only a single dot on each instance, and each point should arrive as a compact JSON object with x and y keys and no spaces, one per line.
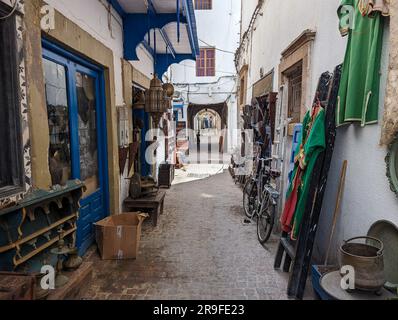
{"x":358,"y":99}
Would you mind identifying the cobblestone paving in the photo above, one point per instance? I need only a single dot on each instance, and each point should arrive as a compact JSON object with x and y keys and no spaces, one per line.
{"x":199,"y":250}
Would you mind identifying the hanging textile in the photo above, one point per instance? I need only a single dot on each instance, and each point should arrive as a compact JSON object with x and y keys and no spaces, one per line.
{"x":390,"y":122}
{"x":123,"y":154}
{"x":358,"y":98}
{"x":311,"y":144}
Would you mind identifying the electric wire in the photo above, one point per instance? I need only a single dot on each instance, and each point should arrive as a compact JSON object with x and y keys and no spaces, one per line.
{"x":218,"y":49}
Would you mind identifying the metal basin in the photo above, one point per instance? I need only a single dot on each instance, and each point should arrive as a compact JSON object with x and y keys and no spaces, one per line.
{"x":367,"y":259}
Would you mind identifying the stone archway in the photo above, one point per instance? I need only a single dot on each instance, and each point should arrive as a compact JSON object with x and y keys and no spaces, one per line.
{"x":220,"y":108}
{"x":210,"y":114}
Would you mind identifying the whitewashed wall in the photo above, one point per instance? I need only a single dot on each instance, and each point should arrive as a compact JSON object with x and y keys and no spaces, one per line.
{"x":92,"y":16}
{"x":220,"y":28}
{"x":367,"y":197}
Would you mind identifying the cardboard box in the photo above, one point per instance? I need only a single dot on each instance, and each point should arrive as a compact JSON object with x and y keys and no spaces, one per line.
{"x":118,"y":237}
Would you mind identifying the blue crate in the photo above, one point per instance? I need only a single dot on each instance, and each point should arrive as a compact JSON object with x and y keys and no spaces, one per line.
{"x":316,"y":276}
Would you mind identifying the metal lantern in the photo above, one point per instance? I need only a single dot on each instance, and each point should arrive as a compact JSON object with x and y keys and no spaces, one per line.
{"x":155,"y":102}
{"x":169,"y":92}
{"x":169,"y":89}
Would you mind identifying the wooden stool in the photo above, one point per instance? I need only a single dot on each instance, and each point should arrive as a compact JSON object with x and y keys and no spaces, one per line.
{"x":154,"y":203}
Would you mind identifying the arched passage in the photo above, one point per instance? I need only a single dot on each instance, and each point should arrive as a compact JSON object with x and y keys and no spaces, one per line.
{"x":207,"y":119}
{"x":220,"y":108}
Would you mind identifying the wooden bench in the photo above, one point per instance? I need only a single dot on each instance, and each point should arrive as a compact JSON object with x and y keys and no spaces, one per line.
{"x":154,"y":203}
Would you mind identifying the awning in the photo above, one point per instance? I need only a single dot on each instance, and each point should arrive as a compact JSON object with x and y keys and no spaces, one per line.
{"x":166,"y":28}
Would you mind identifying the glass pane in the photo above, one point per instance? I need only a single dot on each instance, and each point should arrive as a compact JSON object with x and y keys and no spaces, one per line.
{"x":58,"y":122}
{"x":87,"y":119}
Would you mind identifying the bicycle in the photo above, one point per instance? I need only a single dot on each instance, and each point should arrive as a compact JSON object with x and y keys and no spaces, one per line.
{"x":260,"y":198}
{"x":254,"y":182}
{"x":267,"y":213}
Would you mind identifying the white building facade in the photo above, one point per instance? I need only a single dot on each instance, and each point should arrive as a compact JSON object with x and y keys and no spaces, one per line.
{"x":76,"y":115}
{"x":281,"y":38}
{"x":218,"y":31}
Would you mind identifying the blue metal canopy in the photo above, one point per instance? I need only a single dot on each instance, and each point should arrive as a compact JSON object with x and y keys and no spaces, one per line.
{"x":165,"y":28}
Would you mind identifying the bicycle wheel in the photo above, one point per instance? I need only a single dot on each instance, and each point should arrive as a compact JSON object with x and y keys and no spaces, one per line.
{"x":265,"y":220}
{"x":249,"y":196}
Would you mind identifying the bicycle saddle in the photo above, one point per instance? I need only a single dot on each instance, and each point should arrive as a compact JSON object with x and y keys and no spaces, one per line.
{"x":275,"y":173}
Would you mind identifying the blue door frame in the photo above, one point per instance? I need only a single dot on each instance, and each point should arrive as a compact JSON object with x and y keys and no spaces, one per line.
{"x":73,"y":63}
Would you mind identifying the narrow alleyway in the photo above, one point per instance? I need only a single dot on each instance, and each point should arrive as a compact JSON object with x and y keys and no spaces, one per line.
{"x":200,"y":250}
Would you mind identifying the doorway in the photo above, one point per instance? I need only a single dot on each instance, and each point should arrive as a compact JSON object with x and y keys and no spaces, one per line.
{"x":77,"y":128}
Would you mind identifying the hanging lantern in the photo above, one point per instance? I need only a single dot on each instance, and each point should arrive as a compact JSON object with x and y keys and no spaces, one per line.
{"x":169,"y":89}
{"x":169,"y":92}
{"x":155,"y":102}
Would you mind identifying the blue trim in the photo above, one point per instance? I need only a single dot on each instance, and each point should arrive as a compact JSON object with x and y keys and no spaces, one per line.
{"x":136,"y":27}
{"x":151,"y":8}
{"x":168,"y":42}
{"x":178,"y":22}
{"x":148,"y":48}
{"x":74,"y":63}
{"x":65,"y":55}
{"x":164,"y":61}
{"x":192,"y":29}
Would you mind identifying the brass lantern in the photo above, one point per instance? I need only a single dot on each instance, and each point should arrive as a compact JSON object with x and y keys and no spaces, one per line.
{"x":155,"y":100}
{"x":169,"y":92}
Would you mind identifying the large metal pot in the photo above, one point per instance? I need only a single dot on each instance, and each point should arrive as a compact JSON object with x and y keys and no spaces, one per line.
{"x":367,"y":259}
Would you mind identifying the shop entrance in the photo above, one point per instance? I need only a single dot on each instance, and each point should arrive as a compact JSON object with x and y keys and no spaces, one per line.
{"x":76,"y":117}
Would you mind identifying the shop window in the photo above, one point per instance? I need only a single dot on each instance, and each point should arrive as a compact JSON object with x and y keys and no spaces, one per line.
{"x":242,"y":86}
{"x":203,"y":4}
{"x":58,"y":122}
{"x":295,"y":83}
{"x":11,"y":155}
{"x":242,"y":90}
{"x":206,"y":63}
{"x":87,"y":118}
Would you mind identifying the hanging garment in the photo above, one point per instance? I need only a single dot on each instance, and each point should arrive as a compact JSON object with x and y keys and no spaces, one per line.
{"x":358,"y":98}
{"x":312,"y":143}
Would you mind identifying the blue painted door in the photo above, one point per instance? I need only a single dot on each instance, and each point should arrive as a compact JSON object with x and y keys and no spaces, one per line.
{"x":84,"y":90}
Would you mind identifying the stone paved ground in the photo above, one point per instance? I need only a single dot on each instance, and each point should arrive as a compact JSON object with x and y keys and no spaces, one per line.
{"x":199,"y":250}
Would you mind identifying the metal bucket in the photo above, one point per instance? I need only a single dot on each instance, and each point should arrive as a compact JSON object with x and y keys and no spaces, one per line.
{"x":367,"y":259}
